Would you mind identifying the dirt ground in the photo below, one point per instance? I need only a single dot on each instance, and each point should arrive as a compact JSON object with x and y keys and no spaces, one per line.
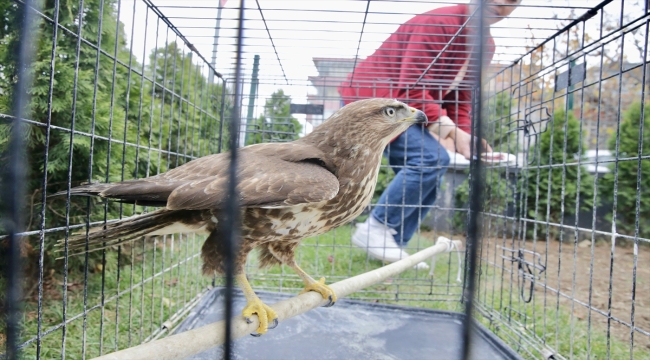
{"x":622,"y":280}
{"x":568,"y":261}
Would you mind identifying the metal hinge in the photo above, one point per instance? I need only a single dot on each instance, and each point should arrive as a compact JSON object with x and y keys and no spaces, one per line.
{"x":532,"y":128}
{"x":528,"y":270}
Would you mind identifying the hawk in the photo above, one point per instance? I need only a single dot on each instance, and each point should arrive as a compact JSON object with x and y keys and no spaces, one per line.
{"x":288,"y":192}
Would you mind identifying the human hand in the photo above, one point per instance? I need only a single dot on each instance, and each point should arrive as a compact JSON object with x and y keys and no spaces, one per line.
{"x":447,"y":143}
{"x":463,"y":143}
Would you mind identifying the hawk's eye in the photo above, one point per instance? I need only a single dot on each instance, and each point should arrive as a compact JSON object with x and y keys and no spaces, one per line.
{"x":389,"y":111}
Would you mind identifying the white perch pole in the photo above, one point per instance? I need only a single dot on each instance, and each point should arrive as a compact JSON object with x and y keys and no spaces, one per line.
{"x":195,"y":341}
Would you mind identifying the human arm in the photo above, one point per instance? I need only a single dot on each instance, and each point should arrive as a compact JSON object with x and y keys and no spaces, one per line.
{"x":458,"y":104}
{"x":462,"y":142}
{"x":458,"y":107}
{"x":447,"y":143}
{"x":423,"y":43}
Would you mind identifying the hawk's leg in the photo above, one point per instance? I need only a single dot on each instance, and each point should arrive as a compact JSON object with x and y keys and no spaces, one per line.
{"x":254,"y":305}
{"x":284,"y":253}
{"x":313,"y":285}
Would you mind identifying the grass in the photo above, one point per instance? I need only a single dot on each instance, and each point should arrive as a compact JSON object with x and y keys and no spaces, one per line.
{"x":550,"y":324}
{"x":139,"y":297}
{"x":137,"y":315}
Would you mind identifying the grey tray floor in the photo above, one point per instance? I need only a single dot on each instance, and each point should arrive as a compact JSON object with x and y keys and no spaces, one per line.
{"x":351,"y":329}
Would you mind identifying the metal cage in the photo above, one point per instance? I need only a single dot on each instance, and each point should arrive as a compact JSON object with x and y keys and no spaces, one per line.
{"x":110,"y":90}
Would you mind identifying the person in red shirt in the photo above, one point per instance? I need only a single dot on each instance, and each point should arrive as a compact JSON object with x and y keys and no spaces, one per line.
{"x":427,"y":64}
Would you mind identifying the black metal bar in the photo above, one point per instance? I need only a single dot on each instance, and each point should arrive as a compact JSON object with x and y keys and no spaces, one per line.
{"x":136,"y":172}
{"x":476,"y":187}
{"x":162,"y":102}
{"x":171,"y":26}
{"x":64,"y":301}
{"x":108,"y":167}
{"x":577,"y":207}
{"x":271,"y":39}
{"x":567,"y":101}
{"x":549,"y":197}
{"x":224,"y":84}
{"x":180,"y":108}
{"x":363,"y":26}
{"x":171,"y":109}
{"x":14,"y":179}
{"x":616,"y":188}
{"x":637,"y":215}
{"x":197,"y":90}
{"x":595,"y":198}
{"x":41,"y":235}
{"x":127,"y":95}
{"x":231,"y":226}
{"x":91,"y":154}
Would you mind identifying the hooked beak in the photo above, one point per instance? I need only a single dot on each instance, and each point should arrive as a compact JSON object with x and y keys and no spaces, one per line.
{"x":417,"y":117}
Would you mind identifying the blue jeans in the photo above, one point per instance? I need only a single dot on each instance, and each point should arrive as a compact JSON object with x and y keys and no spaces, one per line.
{"x":419,"y":162}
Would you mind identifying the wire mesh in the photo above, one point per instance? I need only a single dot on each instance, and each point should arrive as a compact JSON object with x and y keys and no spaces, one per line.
{"x":123,"y":90}
{"x":554,"y":265}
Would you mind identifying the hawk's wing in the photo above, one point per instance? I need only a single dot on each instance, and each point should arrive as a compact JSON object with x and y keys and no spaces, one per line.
{"x":273,"y":175}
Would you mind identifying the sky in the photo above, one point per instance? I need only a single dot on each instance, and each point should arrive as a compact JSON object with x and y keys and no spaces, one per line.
{"x":292,"y":32}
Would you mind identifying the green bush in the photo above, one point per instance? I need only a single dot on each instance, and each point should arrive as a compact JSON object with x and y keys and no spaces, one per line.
{"x":626,"y":198}
{"x":550,"y":194}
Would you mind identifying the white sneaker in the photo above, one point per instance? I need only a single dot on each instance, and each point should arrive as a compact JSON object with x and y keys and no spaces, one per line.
{"x":421,"y":266}
{"x":378,"y":241}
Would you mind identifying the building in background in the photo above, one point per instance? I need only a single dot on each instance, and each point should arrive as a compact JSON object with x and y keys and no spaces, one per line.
{"x":331,"y":72}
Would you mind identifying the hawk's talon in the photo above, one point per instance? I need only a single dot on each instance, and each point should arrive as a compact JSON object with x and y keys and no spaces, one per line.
{"x":330,"y":303}
{"x":256,"y":334}
{"x":320,"y":287}
{"x":265,"y":314}
{"x":274,"y":324}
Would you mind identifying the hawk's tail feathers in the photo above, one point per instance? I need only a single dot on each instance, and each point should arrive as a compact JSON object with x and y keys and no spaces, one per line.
{"x":88,"y":189}
{"x":119,"y":232}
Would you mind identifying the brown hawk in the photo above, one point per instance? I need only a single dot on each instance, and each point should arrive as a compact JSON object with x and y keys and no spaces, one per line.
{"x":288,"y":192}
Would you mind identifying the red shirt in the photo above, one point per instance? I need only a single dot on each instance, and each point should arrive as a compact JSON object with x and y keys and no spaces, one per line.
{"x":398,"y":63}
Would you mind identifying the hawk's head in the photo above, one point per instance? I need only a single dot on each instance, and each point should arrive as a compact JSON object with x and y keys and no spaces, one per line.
{"x":374,"y":119}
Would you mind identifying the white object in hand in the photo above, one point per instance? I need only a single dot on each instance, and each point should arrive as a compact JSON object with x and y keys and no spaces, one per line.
{"x":498,"y":157}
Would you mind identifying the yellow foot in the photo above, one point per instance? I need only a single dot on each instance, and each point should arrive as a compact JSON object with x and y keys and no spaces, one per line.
{"x":264,"y":313}
{"x":321,"y":288}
